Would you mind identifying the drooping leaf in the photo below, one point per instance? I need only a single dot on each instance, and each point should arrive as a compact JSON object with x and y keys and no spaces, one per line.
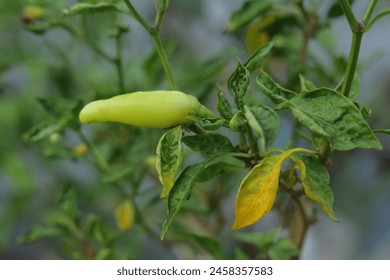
{"x":124,"y":215}
{"x":315,"y":182}
{"x":332,"y":115}
{"x":238,"y":84}
{"x":169,"y":158}
{"x":267,"y":120}
{"x":257,"y":191}
{"x":209,"y":144}
{"x":283,"y":249}
{"x":273,"y":90}
{"x":39,"y":232}
{"x":179,"y":193}
{"x":250,"y":10}
{"x":258,"y":57}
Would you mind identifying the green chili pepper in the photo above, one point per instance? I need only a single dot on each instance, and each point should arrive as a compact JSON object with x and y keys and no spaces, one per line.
{"x":155,"y":109}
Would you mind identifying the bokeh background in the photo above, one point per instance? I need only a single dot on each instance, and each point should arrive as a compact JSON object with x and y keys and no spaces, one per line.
{"x":33,"y":67}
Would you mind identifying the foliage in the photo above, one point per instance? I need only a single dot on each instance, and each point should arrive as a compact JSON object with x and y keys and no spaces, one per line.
{"x":174,"y":185}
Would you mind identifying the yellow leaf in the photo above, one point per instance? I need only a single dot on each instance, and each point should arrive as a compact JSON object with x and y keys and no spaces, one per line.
{"x":257,"y":191}
{"x":125,"y":215}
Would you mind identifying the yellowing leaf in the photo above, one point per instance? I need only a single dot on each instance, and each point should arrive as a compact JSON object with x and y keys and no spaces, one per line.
{"x":257,"y":191}
{"x":125,"y":215}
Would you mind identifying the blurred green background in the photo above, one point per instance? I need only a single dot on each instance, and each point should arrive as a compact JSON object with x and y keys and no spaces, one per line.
{"x":44,"y":76}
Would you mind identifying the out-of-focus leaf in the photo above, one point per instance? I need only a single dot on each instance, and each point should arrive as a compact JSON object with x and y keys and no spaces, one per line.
{"x":250,"y":10}
{"x":283,"y":249}
{"x":262,"y":241}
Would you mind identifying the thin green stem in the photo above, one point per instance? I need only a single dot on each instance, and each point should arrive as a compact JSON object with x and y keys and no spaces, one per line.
{"x":154,"y":32}
{"x":352,"y":63}
{"x":160,"y":15}
{"x":369,"y":11}
{"x":92,"y":42}
{"x":346,"y":7}
{"x":138,"y":17}
{"x":118,"y":63}
{"x":100,"y":161}
{"x":164,"y":60}
{"x":379,"y":16}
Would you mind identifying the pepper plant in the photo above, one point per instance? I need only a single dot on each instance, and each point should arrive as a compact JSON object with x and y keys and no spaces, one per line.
{"x":189,"y":150}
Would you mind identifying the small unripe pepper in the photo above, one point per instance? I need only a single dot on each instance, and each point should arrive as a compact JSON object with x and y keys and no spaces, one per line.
{"x":154,"y":109}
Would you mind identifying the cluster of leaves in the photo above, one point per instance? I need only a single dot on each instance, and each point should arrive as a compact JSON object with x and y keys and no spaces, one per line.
{"x":324,"y":116}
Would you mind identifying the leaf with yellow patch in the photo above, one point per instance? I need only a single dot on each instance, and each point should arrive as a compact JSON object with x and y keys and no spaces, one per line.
{"x":257,"y":191}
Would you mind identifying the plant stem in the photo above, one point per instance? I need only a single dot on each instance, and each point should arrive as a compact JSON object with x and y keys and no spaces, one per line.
{"x":369,"y":11}
{"x":118,"y":62}
{"x":138,"y":17}
{"x":164,"y":59}
{"x":154,"y":32}
{"x":346,"y":7}
{"x":352,"y":62}
{"x":101,"y":162}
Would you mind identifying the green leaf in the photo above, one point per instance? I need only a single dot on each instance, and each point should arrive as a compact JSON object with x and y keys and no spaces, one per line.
{"x":332,"y":115}
{"x":210,"y":244}
{"x":238,"y":122}
{"x":258,"y":57}
{"x":39,"y":232}
{"x":209,"y":144}
{"x":45,"y":129}
{"x":208,"y":123}
{"x":238,"y":84}
{"x":169,"y":158}
{"x":88,"y":8}
{"x":267,"y":120}
{"x":249,"y":11}
{"x":179,"y":193}
{"x":273,"y":90}
{"x":384,"y":131}
{"x":223,"y":105}
{"x":283,"y":249}
{"x":315,"y":182}
{"x":222,"y":166}
{"x":239,"y":254}
{"x":257,"y":191}
{"x":306,"y":85}
{"x":262,"y":241}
